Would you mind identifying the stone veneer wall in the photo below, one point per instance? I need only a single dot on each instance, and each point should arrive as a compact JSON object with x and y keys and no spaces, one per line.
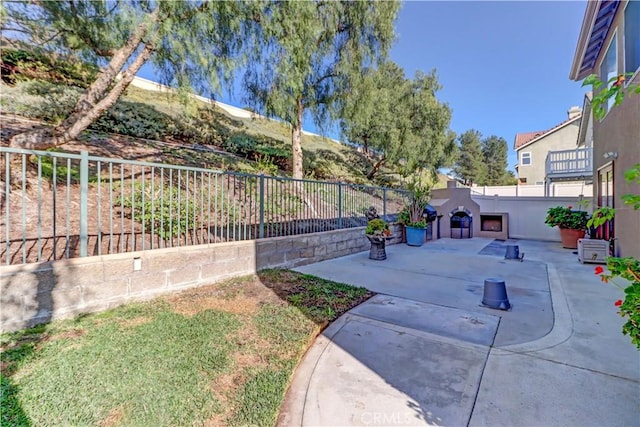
{"x":37,"y":293}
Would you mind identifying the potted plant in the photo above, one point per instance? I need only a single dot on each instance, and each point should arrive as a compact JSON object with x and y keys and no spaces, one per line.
{"x":377,"y":232}
{"x":572,"y":224}
{"x":416,"y":227}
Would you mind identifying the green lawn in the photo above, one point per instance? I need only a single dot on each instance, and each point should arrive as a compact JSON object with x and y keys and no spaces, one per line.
{"x":217,"y":355}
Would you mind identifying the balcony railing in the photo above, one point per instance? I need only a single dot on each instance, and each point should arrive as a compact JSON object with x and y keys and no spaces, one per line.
{"x":569,"y":163}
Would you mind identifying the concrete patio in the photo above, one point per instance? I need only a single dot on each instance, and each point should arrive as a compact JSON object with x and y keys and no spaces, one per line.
{"x":425,"y":352}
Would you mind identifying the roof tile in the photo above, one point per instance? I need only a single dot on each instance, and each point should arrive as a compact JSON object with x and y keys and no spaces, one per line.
{"x":526,"y":137}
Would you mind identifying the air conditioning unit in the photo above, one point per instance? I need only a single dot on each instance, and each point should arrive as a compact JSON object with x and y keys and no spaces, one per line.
{"x":593,"y":250}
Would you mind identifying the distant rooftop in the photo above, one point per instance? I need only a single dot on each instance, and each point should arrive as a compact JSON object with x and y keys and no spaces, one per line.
{"x":525,"y":138}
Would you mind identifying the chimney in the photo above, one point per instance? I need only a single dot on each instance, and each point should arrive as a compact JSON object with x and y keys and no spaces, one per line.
{"x":574,"y":111}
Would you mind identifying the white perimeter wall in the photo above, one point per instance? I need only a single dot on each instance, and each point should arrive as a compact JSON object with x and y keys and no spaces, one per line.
{"x":527,"y":214}
{"x":557,"y":190}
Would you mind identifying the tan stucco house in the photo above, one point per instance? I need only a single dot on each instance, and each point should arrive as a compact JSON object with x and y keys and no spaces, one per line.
{"x":609,"y":45}
{"x":533,"y":148}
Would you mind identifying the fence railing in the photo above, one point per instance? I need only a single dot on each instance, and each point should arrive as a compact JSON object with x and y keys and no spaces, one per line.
{"x":576,"y":161}
{"x":555,"y":189}
{"x":60,"y":205}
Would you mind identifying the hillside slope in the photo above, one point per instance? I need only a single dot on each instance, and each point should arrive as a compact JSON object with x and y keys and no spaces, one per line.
{"x":155,"y":125}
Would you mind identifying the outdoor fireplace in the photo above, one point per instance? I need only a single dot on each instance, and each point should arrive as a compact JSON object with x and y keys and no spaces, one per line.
{"x":461,"y":217}
{"x":461,"y":223}
{"x":495,"y":225}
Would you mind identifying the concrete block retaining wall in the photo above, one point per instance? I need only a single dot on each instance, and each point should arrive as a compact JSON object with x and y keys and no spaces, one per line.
{"x":36,"y":293}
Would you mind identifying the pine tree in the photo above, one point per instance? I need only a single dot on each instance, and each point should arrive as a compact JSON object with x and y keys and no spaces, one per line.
{"x":469,"y":165}
{"x":494,"y":151}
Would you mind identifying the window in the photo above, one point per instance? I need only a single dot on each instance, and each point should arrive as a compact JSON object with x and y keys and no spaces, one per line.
{"x":525,"y":159}
{"x":605,"y":181}
{"x":632,"y":37}
{"x":605,"y":198}
{"x":609,"y":67}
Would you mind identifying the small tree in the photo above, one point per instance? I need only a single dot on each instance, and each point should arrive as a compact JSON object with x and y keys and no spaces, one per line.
{"x":419,"y":195}
{"x":398,"y":121}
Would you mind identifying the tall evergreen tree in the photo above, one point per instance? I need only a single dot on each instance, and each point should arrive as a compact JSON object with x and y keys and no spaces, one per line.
{"x":314,"y":51}
{"x":494,"y":151}
{"x":469,"y":166}
{"x":398,"y":121}
{"x":193,"y":45}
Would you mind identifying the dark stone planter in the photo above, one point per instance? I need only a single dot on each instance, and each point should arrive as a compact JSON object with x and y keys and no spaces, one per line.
{"x":377,"y":251}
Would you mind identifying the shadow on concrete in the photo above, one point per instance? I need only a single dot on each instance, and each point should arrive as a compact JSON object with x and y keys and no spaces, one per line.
{"x":402,"y":366}
{"x":395,"y":356}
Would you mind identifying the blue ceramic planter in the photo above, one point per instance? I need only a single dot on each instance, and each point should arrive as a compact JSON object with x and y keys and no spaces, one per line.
{"x":415,"y":236}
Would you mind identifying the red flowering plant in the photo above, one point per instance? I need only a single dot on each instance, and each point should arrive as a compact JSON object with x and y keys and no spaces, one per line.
{"x":629,"y":270}
{"x":625,"y":268}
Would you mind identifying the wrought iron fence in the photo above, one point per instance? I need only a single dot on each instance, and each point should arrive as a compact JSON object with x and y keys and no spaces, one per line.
{"x":59,"y":205}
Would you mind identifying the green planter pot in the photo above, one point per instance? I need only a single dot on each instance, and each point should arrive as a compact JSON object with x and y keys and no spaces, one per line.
{"x":415,"y":236}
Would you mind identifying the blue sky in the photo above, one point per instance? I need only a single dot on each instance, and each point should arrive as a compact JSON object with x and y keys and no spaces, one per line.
{"x":503,"y":65}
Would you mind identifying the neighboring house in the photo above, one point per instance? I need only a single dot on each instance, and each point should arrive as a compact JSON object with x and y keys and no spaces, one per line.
{"x":533,"y":149}
{"x":609,"y":45}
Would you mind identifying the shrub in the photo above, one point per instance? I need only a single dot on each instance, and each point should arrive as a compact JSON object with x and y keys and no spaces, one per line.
{"x":134,"y":119}
{"x":377,"y":227}
{"x":278,"y":154}
{"x":205,"y":127}
{"x":39,"y":99}
{"x":160,"y":210}
{"x":564,"y":217}
{"x":21,"y":64}
{"x":265,"y":165}
{"x":241,"y":144}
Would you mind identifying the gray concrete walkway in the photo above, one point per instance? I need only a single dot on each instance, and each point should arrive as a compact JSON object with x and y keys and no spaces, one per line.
{"x":425,"y":352}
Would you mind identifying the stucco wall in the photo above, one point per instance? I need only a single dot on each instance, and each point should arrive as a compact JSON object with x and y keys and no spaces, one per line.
{"x":619,"y":132}
{"x":565,"y":138}
{"x":527,"y":214}
{"x":37,"y":293}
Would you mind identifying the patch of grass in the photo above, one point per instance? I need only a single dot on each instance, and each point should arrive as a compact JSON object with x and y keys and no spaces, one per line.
{"x":260,"y":397}
{"x":319,"y":299}
{"x":156,"y":372}
{"x":217,"y":355}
